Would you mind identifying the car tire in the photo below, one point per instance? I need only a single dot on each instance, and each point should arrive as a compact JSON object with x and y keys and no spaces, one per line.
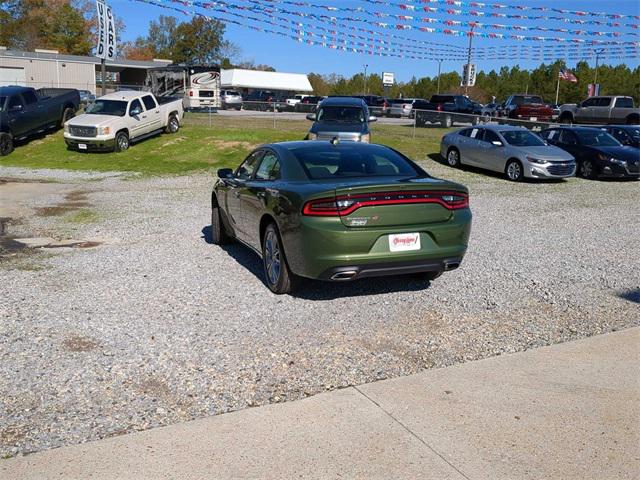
{"x":514,"y":171}
{"x":173,"y":125}
{"x":219,"y":235}
{"x":277,"y":274}
{"x":566,"y":119}
{"x":121,"y":142}
{"x":453,"y":158}
{"x":6,"y":144}
{"x":587,"y":170}
{"x":67,"y":114}
{"x":446,"y":122}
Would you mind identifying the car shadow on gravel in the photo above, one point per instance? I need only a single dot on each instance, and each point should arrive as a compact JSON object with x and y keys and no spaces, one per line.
{"x":317,"y":290}
{"x":631,"y":295}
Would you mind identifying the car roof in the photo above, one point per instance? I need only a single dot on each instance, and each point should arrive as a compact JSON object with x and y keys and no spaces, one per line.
{"x":573,"y":128}
{"x":343,"y":101}
{"x":125,"y":95}
{"x":501,"y":127}
{"x":12,"y":89}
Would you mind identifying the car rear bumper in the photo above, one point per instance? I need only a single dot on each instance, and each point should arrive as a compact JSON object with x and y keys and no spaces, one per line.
{"x":353,"y":272}
{"x":321,"y":246}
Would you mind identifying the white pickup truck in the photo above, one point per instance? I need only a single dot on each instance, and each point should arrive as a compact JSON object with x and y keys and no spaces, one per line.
{"x":116,"y":120}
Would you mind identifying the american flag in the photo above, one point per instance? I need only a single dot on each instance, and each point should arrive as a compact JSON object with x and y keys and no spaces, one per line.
{"x":567,"y":75}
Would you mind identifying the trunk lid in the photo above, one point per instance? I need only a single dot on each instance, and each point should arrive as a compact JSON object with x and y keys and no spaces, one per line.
{"x":401,"y":202}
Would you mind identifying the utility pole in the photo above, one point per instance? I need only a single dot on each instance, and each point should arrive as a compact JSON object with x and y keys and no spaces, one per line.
{"x":466,"y":83}
{"x":598,"y":53}
{"x":439,"y":65}
{"x":365,"y":78}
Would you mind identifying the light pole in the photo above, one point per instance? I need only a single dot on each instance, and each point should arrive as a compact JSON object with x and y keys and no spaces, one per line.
{"x":466,"y":83}
{"x":598,"y":53}
{"x":439,"y":65}
{"x":365,"y":78}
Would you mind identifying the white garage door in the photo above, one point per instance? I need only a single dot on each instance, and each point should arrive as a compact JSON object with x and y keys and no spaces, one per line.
{"x":12,"y":76}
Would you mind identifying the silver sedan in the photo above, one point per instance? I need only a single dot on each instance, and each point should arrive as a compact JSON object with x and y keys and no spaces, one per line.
{"x":514,"y":151}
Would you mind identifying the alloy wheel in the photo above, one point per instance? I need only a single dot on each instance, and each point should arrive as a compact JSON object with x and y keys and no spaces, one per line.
{"x":587,"y":169}
{"x":453,"y":158}
{"x":173,"y":125}
{"x":5,"y":145}
{"x":123,"y":142}
{"x":272,"y":257}
{"x":514,"y":171}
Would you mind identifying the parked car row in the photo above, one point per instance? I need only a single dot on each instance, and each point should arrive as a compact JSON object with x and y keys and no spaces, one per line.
{"x":555,"y":153}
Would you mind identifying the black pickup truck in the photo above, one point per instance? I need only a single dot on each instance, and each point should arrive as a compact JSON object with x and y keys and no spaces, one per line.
{"x":446,"y":109}
{"x":25,"y":112}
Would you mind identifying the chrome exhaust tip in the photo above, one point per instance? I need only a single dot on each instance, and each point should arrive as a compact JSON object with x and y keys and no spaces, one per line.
{"x":348,"y":275}
{"x":448,"y":266}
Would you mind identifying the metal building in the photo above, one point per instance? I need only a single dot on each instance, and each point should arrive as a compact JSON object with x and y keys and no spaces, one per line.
{"x":48,"y":68}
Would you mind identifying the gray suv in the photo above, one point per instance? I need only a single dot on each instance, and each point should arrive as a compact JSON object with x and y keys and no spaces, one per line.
{"x":345,"y":118}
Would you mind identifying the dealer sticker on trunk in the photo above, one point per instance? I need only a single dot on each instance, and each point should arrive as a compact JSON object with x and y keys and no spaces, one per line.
{"x":403,"y":242}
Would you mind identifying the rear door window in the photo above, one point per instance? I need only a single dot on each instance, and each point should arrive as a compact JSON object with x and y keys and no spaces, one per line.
{"x":625,"y":102}
{"x":29,"y":97}
{"x":568,"y":138}
{"x":149,"y":102}
{"x":245,"y":171}
{"x":490,"y":136}
{"x":269,"y":167}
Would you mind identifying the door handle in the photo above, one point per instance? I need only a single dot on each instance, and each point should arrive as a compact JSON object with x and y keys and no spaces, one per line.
{"x":144,"y":116}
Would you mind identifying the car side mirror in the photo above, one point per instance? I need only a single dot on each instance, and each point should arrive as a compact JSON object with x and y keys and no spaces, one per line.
{"x":373,"y":119}
{"x":311,"y":117}
{"x":497,"y":143}
{"x":135,"y":112}
{"x":225,"y":173}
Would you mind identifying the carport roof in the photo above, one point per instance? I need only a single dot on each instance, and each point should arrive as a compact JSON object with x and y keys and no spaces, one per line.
{"x":256,"y":79}
{"x":118,"y":63}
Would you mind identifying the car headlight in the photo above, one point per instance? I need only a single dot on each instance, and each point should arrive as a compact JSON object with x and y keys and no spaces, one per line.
{"x":104,"y":130}
{"x":312,"y":136}
{"x":66,"y":128}
{"x":365,"y":138}
{"x":539,"y":161}
{"x":606,"y":158}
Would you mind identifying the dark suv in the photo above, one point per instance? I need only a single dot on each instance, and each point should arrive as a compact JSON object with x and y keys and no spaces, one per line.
{"x":265,"y":100}
{"x":344,"y":118}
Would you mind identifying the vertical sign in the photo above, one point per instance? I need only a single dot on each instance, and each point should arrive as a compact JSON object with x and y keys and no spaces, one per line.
{"x":468,"y":75}
{"x":387,"y":79}
{"x":106,"y":47}
{"x":593,"y":90}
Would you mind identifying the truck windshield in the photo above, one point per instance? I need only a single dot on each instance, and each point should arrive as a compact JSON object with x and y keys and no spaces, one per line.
{"x":2,"y":102}
{"x":334,"y":114}
{"x":116,"y":108}
{"x":523,"y":138}
{"x":597,"y":138}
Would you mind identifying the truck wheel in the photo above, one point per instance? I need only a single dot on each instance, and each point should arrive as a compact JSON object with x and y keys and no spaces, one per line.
{"x":6,"y":144}
{"x":566,"y":118}
{"x":173,"y":125}
{"x":122,"y":142}
{"x":67,"y":114}
{"x":633,"y":120}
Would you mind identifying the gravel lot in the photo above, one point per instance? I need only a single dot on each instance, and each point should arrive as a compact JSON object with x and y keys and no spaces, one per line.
{"x":154,"y":325}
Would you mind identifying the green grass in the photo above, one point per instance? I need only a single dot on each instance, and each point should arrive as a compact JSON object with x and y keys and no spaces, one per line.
{"x":82,"y":217}
{"x":198,"y":146}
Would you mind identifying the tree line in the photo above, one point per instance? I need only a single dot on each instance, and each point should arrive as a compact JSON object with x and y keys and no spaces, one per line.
{"x":613,"y":80}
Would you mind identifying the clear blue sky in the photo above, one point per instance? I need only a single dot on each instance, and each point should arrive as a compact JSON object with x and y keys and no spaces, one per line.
{"x":290,"y":56}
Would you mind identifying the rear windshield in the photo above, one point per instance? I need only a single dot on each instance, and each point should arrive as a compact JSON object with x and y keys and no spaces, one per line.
{"x":335,"y":114}
{"x":522,"y":138}
{"x":231,"y":92}
{"x":526,"y":99}
{"x":597,"y":138}
{"x":324,"y":160}
{"x":2,"y":102}
{"x":402,"y":100}
{"x":108,"y":107}
{"x":442,"y":99}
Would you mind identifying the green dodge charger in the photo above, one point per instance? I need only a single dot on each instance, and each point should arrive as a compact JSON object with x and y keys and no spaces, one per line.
{"x":340,"y":211}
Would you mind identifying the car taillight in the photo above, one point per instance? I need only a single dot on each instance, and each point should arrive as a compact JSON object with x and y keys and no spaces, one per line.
{"x":191,"y":93}
{"x":439,"y":107}
{"x":385,"y":104}
{"x":346,"y":205}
